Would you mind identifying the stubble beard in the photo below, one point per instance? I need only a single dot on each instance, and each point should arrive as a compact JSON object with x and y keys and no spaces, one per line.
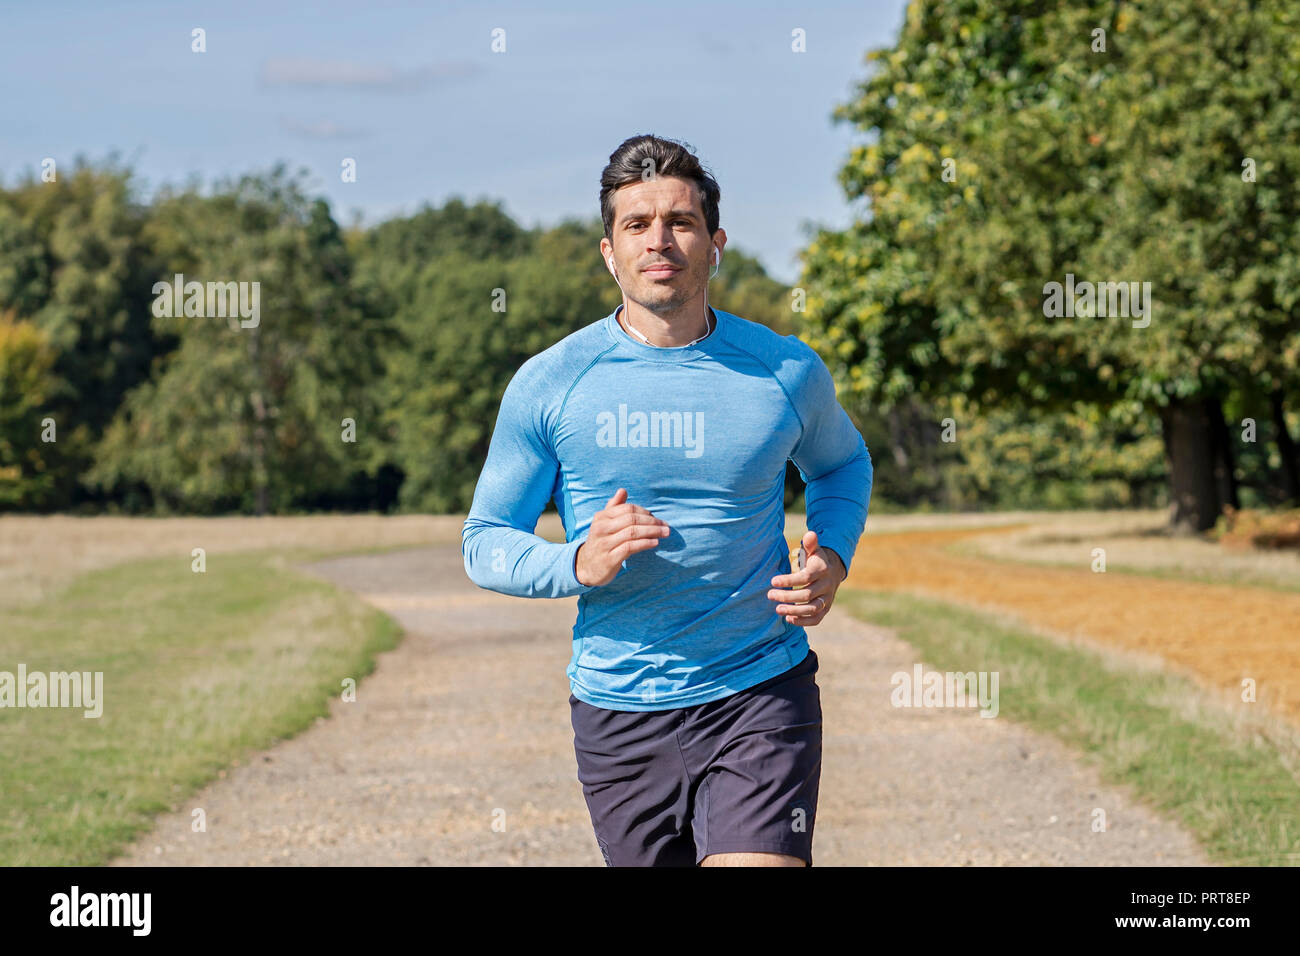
{"x":678,"y":295}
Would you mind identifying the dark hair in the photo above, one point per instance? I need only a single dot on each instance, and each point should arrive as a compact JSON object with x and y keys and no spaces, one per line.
{"x":669,"y":158}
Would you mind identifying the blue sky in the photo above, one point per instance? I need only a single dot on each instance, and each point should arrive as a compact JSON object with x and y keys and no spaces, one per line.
{"x":414,"y":92}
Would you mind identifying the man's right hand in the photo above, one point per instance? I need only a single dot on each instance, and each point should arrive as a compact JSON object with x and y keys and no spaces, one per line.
{"x":618,"y":530}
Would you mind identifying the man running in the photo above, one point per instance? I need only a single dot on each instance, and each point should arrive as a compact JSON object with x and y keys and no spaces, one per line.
{"x":662,"y":432}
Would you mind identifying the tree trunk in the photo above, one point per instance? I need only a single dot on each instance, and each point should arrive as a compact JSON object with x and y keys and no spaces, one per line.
{"x":1225,"y":471}
{"x":261,"y":480}
{"x":1286,"y":448}
{"x":260,"y":489}
{"x":898,"y":437}
{"x":1191,"y":454}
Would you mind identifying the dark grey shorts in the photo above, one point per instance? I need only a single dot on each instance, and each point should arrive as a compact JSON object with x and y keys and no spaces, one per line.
{"x":736,"y":775}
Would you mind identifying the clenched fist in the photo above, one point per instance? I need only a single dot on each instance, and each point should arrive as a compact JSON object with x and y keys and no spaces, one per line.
{"x":617,"y":530}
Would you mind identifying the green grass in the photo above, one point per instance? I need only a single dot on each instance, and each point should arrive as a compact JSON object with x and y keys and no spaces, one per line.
{"x":199,"y":670}
{"x":1231,"y":782}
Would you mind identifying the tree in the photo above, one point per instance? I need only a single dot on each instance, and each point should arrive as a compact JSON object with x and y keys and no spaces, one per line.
{"x":1009,"y":151}
{"x":73,"y":259}
{"x":249,"y":411}
{"x":29,"y":474}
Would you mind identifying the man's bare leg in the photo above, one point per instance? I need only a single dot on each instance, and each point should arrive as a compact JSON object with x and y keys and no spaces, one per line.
{"x":751,"y":859}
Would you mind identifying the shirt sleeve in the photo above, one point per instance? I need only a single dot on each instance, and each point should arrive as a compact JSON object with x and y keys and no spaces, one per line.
{"x":520,"y":475}
{"x":833,"y":461}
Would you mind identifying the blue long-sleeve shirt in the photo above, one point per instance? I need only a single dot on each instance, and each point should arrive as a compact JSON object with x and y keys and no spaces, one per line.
{"x":699,"y":436}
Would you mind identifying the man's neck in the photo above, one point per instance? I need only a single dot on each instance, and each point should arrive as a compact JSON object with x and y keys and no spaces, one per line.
{"x":661,"y":334}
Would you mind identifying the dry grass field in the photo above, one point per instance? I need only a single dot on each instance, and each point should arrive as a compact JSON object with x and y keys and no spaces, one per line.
{"x":1220,"y":617}
{"x":39,"y":555}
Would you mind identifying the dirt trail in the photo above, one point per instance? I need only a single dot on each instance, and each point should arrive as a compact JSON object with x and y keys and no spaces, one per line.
{"x":469,"y":717}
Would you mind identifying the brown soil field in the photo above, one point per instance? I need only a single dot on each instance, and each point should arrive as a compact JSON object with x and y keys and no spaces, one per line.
{"x":1218,"y":634}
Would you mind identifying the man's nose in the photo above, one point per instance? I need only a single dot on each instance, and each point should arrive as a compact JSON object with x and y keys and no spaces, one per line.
{"x":660,"y":236}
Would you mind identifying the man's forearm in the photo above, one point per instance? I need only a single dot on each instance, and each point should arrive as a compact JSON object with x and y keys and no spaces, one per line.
{"x":836,"y":505}
{"x":511,"y":561}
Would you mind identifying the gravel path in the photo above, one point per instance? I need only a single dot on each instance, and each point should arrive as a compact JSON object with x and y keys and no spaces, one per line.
{"x":458,"y":751}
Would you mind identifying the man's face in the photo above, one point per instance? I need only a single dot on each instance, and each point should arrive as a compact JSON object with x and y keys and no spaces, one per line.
{"x":660,"y":222}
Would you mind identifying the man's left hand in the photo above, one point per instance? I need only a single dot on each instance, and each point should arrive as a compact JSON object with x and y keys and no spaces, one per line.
{"x":809,"y":594}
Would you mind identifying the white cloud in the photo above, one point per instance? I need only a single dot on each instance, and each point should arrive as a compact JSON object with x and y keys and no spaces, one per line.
{"x":319,"y":74}
{"x":319,"y":129}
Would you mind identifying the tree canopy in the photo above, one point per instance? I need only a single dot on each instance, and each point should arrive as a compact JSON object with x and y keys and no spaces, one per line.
{"x":1013,"y":145}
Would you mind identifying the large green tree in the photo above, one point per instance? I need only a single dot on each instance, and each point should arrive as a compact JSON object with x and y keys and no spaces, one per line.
{"x":74,"y":260}
{"x":249,"y":413}
{"x":1012,"y":144}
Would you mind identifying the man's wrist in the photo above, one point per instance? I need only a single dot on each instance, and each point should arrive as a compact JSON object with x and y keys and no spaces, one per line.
{"x":575,"y":564}
{"x":844,"y":571}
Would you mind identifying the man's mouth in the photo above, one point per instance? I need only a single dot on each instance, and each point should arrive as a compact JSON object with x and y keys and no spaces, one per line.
{"x":661,"y":270}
